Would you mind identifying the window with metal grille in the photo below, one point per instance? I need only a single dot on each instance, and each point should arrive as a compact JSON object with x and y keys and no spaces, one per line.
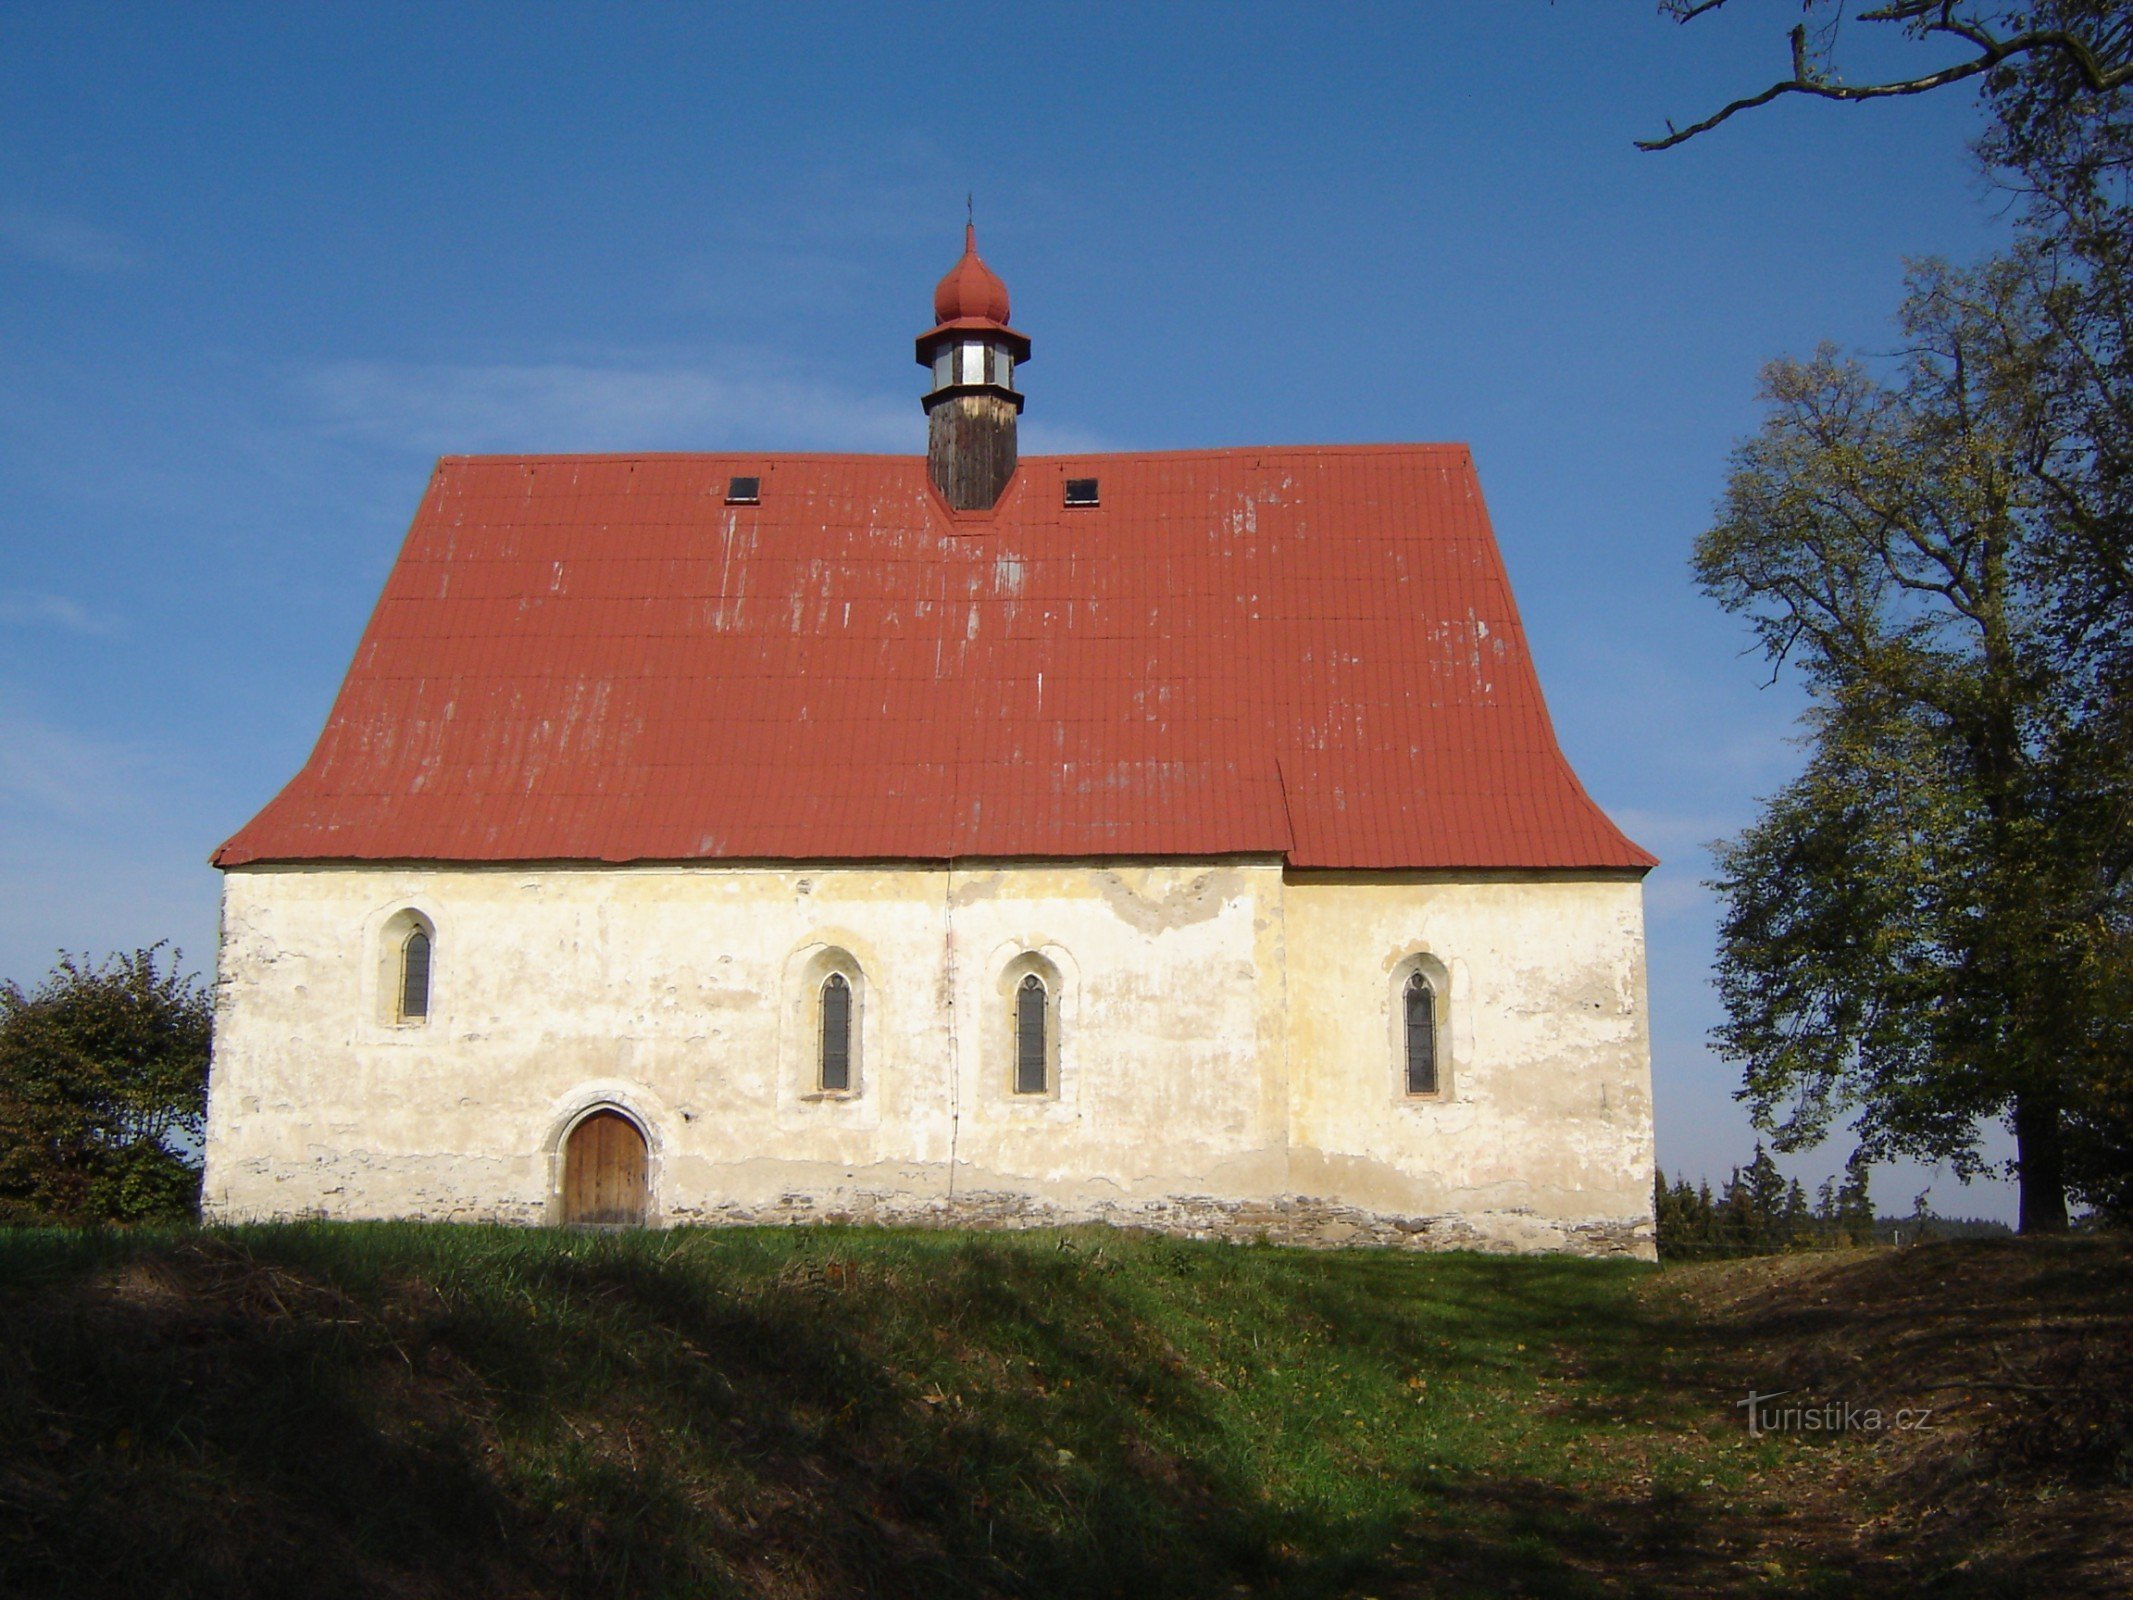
{"x":415,"y":977}
{"x":744,"y":491}
{"x":1082,"y":491}
{"x":836,"y":1034}
{"x":1421,"y":1036}
{"x":1029,"y":1037}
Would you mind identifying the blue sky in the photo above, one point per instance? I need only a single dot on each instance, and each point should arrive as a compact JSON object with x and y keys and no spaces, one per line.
{"x":259,"y":266}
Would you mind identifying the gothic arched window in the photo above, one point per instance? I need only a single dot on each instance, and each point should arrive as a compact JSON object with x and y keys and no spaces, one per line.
{"x":1031,"y":1053}
{"x":1419,"y":1030}
{"x":415,"y":975}
{"x":835,"y":1062}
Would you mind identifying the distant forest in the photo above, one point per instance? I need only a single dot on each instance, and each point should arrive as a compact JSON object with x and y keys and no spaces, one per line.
{"x":1758,"y":1211}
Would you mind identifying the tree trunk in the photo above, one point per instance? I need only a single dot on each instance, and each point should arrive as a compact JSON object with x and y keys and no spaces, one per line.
{"x":2040,"y":1164}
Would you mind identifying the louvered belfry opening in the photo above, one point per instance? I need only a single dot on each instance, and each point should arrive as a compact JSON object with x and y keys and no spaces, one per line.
{"x":1421,"y":1036}
{"x":1029,"y":1037}
{"x":972,"y":406}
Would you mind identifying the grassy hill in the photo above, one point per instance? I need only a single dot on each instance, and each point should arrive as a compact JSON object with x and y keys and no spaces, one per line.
{"x":403,"y":1410}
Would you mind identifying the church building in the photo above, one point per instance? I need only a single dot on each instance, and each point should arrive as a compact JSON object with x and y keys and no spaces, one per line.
{"x":1174,"y":839}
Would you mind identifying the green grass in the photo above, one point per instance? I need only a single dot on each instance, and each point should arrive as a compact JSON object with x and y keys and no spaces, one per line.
{"x":335,"y":1409}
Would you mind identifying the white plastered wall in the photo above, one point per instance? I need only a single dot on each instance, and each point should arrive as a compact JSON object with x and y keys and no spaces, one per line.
{"x":1220,"y":1045}
{"x":1543,"y":1117}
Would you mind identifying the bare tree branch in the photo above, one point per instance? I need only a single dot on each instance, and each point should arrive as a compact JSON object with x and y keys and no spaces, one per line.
{"x":1925,"y":17}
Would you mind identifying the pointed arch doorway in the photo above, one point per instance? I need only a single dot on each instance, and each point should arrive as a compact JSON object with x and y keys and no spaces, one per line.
{"x":604,"y":1172}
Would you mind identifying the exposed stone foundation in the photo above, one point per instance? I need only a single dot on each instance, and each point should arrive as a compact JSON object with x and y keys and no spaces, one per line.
{"x":1290,"y":1220}
{"x":1300,"y":1220}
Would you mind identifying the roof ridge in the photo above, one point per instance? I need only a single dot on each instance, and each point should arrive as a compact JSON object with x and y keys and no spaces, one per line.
{"x":682,"y":455}
{"x":1227,"y":451}
{"x":1202,"y":453}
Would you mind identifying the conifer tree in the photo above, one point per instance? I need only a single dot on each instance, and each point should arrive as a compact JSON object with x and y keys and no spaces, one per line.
{"x":1798,"y":1224}
{"x":1855,"y":1207}
{"x":1766,"y":1200}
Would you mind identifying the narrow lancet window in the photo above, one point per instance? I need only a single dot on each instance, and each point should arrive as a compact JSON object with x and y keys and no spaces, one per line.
{"x":1029,"y":1037}
{"x":1421,"y":1036}
{"x":836,"y":1035}
{"x":415,"y":977}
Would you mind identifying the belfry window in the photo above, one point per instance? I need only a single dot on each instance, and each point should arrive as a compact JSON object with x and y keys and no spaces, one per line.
{"x":835,"y":1075}
{"x":415,"y":976}
{"x":1030,"y":1044}
{"x":1419,"y":1027}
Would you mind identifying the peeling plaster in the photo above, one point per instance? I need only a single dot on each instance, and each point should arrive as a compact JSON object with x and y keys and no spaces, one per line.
{"x":1180,"y":904}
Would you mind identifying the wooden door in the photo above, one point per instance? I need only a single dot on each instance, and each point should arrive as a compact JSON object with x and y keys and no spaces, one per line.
{"x":603,"y":1171}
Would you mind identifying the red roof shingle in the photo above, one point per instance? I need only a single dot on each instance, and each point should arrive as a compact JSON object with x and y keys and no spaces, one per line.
{"x":1311,"y":652}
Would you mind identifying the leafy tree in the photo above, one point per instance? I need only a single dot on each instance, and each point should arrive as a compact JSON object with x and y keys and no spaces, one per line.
{"x":1919,"y":1226}
{"x":103,"y":1091}
{"x":2053,"y":77}
{"x":1915,"y":928}
{"x":1960,"y":941}
{"x":2067,"y":145}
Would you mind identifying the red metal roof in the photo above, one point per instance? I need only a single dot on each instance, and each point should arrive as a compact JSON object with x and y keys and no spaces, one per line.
{"x":1311,"y":652}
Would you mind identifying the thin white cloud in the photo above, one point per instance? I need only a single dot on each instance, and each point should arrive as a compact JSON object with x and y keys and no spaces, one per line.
{"x":57,"y":771}
{"x":1673,"y":836}
{"x":65,"y":242}
{"x":21,"y":609}
{"x":109,"y":890}
{"x":438,"y":409}
{"x":566,"y":406}
{"x":1668,"y":895}
{"x":1681,"y":840}
{"x":103,"y":844}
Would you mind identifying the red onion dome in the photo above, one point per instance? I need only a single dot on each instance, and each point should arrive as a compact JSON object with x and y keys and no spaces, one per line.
{"x":971,"y":289}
